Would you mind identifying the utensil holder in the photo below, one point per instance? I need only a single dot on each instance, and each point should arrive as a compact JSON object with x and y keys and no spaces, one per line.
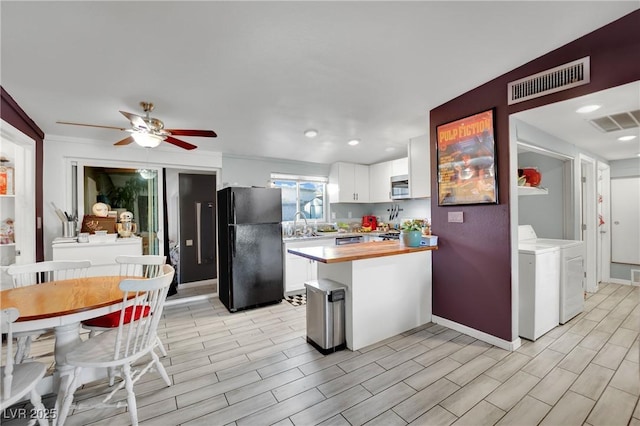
{"x":69,"y":229}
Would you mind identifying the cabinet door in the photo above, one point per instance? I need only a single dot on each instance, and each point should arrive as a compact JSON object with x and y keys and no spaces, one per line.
{"x":361,"y":183}
{"x":419,"y":167}
{"x":380,"y":182}
{"x":400,"y":167}
{"x":341,"y":179}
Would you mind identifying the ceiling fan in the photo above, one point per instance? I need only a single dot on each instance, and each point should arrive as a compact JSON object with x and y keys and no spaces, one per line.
{"x":148,"y":131}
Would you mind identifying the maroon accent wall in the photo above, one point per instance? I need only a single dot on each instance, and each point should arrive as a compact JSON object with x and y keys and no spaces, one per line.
{"x":472,"y":266}
{"x":11,"y":112}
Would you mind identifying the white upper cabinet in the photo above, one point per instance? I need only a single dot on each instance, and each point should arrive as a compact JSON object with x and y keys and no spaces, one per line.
{"x":400,"y":167}
{"x":419,"y":167}
{"x":380,"y":182}
{"x":349,"y":183}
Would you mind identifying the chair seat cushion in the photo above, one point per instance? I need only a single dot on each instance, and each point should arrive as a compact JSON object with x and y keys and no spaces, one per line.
{"x":113,"y":319}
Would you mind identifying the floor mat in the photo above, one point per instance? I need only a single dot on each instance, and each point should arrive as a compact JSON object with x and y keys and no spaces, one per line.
{"x":297,"y":299}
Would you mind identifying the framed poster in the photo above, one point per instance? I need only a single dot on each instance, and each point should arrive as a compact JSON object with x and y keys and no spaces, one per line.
{"x":467,"y":161}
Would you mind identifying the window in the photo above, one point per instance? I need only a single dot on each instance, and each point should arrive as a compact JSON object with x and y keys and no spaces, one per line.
{"x":304,"y":194}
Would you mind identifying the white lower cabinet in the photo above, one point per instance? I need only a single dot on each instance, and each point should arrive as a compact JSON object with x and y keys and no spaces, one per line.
{"x":297,"y":269}
{"x":101,"y":254}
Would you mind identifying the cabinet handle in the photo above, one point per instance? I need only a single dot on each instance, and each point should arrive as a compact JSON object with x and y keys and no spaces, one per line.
{"x":198,"y":232}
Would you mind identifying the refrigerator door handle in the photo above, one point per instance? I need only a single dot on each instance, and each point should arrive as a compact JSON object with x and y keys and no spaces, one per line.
{"x":232,"y":234}
{"x":233,"y":207}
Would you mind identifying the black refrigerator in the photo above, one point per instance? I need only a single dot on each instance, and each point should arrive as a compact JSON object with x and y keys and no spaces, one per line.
{"x":249,"y":247}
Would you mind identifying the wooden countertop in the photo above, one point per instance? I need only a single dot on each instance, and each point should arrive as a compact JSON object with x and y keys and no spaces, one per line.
{"x":349,"y":252}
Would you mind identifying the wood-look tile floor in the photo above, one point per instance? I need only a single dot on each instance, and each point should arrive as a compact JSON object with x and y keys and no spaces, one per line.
{"x":255,"y":368}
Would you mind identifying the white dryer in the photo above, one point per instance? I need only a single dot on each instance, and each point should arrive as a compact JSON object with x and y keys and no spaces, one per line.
{"x":572,"y":273}
{"x":538,"y":289}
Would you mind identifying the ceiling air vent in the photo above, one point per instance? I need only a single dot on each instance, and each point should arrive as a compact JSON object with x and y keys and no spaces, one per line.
{"x":615,"y":122}
{"x":564,"y":77}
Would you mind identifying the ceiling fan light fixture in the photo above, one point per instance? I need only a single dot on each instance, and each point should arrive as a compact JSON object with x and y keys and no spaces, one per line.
{"x":147,"y":140}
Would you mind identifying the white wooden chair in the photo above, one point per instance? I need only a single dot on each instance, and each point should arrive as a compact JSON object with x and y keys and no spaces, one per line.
{"x":36,"y":273}
{"x":22,"y":379}
{"x":147,"y":266}
{"x":124,"y":346}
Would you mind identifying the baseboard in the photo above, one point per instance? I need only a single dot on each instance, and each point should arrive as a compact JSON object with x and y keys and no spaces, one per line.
{"x":619,"y":281}
{"x":190,"y":299}
{"x":198,"y":283}
{"x":480,"y":335}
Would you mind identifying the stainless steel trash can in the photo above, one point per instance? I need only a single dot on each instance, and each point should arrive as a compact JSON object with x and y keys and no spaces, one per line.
{"x":325,"y":315}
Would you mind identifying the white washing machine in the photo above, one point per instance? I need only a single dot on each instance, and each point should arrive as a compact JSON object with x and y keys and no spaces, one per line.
{"x":539,"y":289}
{"x":572,"y":273}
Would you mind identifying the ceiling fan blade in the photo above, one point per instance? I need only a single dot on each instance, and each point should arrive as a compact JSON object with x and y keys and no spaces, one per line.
{"x":135,"y":120}
{"x":91,"y":125}
{"x":178,"y":142}
{"x":185,"y":132}
{"x":125,"y":141}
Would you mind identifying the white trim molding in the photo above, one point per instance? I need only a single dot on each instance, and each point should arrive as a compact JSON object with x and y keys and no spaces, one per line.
{"x":480,"y":335}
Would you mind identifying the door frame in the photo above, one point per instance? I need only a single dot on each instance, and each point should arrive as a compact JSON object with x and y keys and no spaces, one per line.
{"x":604,"y":234}
{"x":587,"y":223}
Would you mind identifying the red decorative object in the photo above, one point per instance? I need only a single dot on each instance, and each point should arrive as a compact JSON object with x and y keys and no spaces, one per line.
{"x":532,"y":175}
{"x":113,"y":319}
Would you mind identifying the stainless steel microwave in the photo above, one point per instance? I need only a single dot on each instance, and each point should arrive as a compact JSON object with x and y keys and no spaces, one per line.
{"x":400,"y":187}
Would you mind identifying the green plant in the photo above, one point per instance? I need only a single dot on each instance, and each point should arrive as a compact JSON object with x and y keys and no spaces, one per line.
{"x":125,"y":196}
{"x":412,"y":225}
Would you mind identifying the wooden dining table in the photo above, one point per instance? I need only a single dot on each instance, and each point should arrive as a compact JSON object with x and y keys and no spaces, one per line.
{"x":62,"y":305}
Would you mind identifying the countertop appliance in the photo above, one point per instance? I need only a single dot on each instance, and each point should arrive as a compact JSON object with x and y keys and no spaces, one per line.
{"x":571,"y":281}
{"x":370,"y":221}
{"x":400,"y":187}
{"x":250,"y":247}
{"x":390,"y":236}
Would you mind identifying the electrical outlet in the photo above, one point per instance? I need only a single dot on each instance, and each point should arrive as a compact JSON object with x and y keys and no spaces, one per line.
{"x":333,"y":215}
{"x":456,"y":217}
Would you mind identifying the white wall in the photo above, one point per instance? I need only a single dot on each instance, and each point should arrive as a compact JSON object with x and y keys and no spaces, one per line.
{"x":60,"y":152}
{"x":242,"y":171}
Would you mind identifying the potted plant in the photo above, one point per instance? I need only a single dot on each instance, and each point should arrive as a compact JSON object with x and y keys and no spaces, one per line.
{"x":411,"y":232}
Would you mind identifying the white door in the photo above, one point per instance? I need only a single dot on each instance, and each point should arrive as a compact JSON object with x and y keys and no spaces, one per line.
{"x":625,"y":226}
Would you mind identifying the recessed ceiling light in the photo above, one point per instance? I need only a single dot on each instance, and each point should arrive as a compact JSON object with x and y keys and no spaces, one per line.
{"x":311,"y":133}
{"x":354,"y":142}
{"x":626,"y":138}
{"x":587,"y":108}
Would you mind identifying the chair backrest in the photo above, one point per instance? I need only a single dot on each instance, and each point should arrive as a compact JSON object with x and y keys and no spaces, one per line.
{"x":52,"y":270}
{"x":7,"y":317}
{"x":148,"y":266}
{"x":136,"y":337}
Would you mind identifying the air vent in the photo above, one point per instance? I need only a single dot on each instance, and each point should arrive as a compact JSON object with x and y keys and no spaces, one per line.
{"x":564,"y":77}
{"x":635,"y":277}
{"x":615,"y":122}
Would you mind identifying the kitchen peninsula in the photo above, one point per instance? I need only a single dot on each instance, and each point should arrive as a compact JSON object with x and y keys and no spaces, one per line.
{"x":388,"y":286}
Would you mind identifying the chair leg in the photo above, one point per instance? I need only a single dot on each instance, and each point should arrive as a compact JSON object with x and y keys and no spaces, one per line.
{"x":24,"y":347}
{"x":131,"y":396}
{"x":92,"y":333}
{"x":111,"y":372}
{"x":160,"y":368}
{"x":161,"y":347}
{"x":68,"y":396}
{"x":39,"y":409}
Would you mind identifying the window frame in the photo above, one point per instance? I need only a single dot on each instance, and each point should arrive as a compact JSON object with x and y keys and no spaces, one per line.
{"x":298,"y":179}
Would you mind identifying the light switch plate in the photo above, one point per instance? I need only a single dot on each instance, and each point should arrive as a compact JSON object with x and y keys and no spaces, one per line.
{"x":188,"y":243}
{"x":456,"y":217}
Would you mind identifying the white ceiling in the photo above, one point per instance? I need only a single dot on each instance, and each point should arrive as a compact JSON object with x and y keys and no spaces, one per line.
{"x":562,"y":121}
{"x":260,"y":73}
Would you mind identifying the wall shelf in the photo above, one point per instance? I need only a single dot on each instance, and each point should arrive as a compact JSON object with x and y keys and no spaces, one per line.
{"x":532,"y":190}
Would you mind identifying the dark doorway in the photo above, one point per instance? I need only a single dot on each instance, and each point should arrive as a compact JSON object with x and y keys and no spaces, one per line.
{"x":197,"y":231}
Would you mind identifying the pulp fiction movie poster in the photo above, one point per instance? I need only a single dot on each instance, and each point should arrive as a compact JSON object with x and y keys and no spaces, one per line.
{"x":466,"y":161}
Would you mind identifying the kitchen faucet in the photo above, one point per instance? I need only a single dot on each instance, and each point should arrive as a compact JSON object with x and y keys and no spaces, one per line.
{"x":306,"y":224}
